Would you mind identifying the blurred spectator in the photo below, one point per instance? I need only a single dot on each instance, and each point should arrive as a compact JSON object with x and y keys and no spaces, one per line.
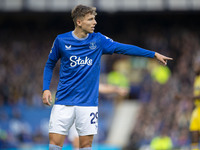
{"x":162,"y":141}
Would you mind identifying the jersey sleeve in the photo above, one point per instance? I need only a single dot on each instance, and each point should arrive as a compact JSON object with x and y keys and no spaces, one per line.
{"x":110,"y":47}
{"x":127,"y":49}
{"x":107,"y":44}
{"x":54,"y":55}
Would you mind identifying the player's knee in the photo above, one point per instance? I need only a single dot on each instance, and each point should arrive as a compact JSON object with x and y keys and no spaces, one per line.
{"x":56,"y":142}
{"x":86,"y":143}
{"x":55,"y":139}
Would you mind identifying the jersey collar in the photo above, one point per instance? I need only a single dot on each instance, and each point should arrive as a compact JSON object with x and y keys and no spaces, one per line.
{"x":79,"y":38}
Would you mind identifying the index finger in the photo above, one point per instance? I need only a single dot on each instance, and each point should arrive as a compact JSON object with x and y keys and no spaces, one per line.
{"x":168,"y":58}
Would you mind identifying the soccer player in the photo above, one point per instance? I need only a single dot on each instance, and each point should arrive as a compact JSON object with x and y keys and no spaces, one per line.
{"x":195,"y":118}
{"x":80,"y":52}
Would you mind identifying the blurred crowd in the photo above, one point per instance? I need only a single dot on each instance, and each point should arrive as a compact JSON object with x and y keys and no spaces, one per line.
{"x":165,"y":106}
{"x":22,"y":64}
{"x":168,"y":109}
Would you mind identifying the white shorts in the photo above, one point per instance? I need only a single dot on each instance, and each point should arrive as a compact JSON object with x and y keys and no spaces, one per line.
{"x":85,"y":119}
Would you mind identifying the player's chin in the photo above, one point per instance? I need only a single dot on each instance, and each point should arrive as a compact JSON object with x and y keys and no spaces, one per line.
{"x":91,"y":31}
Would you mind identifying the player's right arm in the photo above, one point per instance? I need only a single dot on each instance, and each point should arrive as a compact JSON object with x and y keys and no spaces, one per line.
{"x":48,"y":72}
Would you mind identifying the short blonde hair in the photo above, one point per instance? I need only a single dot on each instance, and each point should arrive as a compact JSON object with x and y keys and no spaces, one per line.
{"x":81,"y":11}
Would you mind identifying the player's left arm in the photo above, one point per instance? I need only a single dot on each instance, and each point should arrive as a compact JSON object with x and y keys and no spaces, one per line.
{"x":110,"y":47}
{"x":162,"y":58}
{"x":133,"y":50}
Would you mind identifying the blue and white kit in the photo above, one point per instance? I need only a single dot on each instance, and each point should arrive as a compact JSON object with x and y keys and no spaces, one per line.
{"x":80,"y":66}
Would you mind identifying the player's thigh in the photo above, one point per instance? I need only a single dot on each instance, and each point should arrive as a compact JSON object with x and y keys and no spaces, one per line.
{"x":86,"y":120}
{"x":56,"y":139}
{"x":85,"y":141}
{"x":61,"y":119}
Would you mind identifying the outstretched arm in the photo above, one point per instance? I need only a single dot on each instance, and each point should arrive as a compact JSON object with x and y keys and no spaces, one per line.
{"x":110,"y":47}
{"x":162,"y":58}
{"x":133,"y":50}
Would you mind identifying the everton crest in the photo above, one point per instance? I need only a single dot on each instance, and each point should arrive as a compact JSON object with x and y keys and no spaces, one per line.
{"x":93,"y":45}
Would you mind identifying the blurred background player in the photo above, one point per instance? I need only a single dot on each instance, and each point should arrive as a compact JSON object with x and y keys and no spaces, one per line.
{"x":103,"y":89}
{"x":195,"y":118}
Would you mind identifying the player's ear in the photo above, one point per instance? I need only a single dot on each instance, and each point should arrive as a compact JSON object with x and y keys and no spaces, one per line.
{"x":79,"y":22}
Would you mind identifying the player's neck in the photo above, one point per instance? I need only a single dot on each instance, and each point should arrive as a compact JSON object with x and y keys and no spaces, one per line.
{"x":79,"y":33}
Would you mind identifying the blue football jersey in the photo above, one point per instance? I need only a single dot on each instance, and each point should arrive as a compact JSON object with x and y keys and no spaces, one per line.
{"x":80,"y":66}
